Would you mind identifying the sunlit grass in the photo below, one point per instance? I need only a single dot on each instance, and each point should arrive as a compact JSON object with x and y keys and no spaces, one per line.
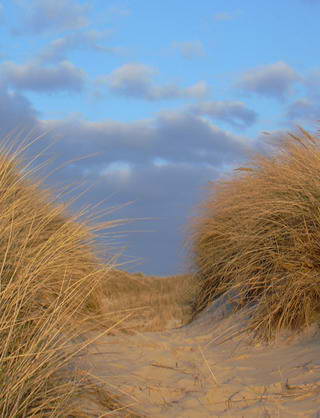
{"x":51,"y":290}
{"x":156,"y":303}
{"x":258,"y":233}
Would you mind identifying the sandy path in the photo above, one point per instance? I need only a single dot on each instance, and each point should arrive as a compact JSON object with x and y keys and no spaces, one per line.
{"x":192,"y":372}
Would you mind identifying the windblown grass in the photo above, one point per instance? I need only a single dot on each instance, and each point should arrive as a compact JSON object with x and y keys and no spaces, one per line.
{"x":258,"y":233}
{"x":52,"y":281}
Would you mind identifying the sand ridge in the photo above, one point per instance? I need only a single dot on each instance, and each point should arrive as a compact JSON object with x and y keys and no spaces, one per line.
{"x":201,"y":370}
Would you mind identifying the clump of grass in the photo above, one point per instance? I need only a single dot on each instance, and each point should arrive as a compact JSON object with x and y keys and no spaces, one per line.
{"x":258,"y":233}
{"x":52,"y":280}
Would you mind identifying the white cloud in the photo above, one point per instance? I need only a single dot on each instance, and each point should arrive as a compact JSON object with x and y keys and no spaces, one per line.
{"x":303,"y":110}
{"x":274,"y":80}
{"x":135,"y":80}
{"x":65,"y":76}
{"x":53,"y":15}
{"x":233,"y":112}
{"x":118,"y":171}
{"x":59,"y":48}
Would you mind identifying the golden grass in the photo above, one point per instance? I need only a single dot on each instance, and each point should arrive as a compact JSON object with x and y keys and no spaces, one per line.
{"x":55,"y":288}
{"x":258,"y":233}
{"x":156,"y":303}
{"x":51,"y":291}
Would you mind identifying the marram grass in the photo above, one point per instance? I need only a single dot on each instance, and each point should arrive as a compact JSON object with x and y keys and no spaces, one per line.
{"x":51,"y":286}
{"x":258,"y":233}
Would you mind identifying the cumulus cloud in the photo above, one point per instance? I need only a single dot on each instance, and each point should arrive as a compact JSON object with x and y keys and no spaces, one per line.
{"x":190,"y":50}
{"x":135,"y":80}
{"x":312,"y":84}
{"x":274,"y":80}
{"x":63,"y":77}
{"x":233,"y":112}
{"x":53,"y":15}
{"x":59,"y":48}
{"x":198,"y":90}
{"x":303,"y":110}
{"x":178,"y":137}
{"x":16,"y":111}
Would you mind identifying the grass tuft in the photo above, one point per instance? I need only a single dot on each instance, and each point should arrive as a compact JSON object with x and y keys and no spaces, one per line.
{"x":258,"y":233}
{"x":52,"y":281}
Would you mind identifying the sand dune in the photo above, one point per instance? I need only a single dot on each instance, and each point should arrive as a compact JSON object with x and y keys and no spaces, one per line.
{"x":210,"y":367}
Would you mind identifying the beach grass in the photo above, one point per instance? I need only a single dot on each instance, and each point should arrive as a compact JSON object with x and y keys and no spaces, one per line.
{"x":258,"y":232}
{"x":156,"y":303}
{"x":51,"y":290}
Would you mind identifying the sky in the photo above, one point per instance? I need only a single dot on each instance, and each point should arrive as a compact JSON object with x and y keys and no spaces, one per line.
{"x":165,"y":96}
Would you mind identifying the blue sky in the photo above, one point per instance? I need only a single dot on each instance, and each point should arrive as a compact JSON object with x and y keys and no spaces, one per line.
{"x":171,"y":94}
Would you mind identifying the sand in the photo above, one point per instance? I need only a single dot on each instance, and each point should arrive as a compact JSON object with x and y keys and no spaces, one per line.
{"x":201,"y":370}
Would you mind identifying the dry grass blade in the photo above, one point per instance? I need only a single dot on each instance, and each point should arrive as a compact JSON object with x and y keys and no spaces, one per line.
{"x":206,"y":361}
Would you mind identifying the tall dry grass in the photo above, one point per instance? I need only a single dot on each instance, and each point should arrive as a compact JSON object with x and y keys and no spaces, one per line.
{"x":258,"y":233}
{"x":156,"y":303}
{"x":52,"y":281}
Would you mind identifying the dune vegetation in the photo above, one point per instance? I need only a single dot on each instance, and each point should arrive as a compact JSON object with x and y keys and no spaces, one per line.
{"x":155,"y":303}
{"x":51,"y":293}
{"x":56,"y":287}
{"x":257,"y":235}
